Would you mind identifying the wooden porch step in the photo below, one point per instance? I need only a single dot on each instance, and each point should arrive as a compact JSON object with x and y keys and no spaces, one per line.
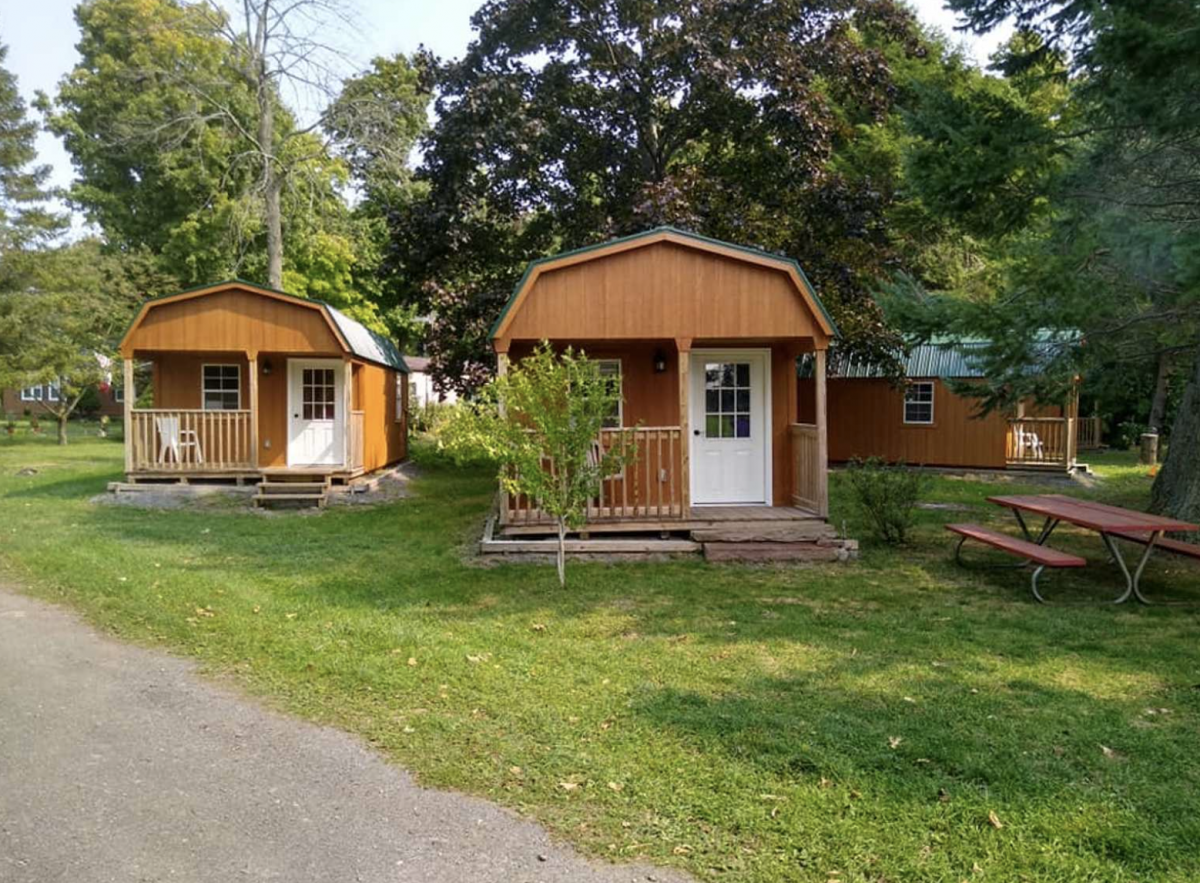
{"x":289,"y":487}
{"x":285,"y":489}
{"x":773,"y":551}
{"x":764,"y":532}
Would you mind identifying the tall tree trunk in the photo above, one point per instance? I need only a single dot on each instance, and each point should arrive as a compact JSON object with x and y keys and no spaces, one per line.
{"x":1158,"y":405}
{"x":62,"y":427}
{"x":1176,"y":490}
{"x":272,"y":186}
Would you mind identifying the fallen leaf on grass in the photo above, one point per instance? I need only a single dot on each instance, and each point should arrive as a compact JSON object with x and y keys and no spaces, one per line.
{"x":994,"y":820}
{"x":681,"y":850}
{"x":412,"y":660}
{"x":943,"y":795}
{"x":289,"y":615}
{"x":1111,"y":753}
{"x":826,"y":783}
{"x":894,"y":741}
{"x":257,"y":608}
{"x":482,"y":657}
{"x":204,"y":611}
{"x":538,"y":626}
{"x":616,"y":786}
{"x":568,"y":786}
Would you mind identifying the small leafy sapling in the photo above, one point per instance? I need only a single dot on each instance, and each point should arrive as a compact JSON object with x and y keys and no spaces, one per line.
{"x":540,"y":422}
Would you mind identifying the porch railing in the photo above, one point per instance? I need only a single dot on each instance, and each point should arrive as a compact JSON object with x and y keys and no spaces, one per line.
{"x":1090,"y":433}
{"x":806,"y":466}
{"x":191,"y":441}
{"x":356,"y":440}
{"x":1041,"y":441}
{"x":650,"y":487}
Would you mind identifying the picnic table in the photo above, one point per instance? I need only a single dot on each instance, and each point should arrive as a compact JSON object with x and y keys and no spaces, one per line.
{"x":1110,"y":522}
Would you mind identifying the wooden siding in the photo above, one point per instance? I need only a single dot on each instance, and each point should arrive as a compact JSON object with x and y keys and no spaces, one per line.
{"x":666,"y":291}
{"x":866,"y":419}
{"x":176,"y":379}
{"x":234,"y":320}
{"x":652,"y":399}
{"x":384,"y":440}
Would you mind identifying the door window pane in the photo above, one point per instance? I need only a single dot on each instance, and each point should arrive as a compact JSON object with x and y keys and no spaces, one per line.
{"x":727,"y":400}
{"x":317,"y":393}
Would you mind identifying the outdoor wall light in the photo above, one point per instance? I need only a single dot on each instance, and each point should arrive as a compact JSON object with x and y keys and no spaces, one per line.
{"x":266,"y":367}
{"x":660,"y":362}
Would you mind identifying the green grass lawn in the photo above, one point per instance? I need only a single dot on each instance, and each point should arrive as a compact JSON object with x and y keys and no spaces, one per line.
{"x":893,"y":719}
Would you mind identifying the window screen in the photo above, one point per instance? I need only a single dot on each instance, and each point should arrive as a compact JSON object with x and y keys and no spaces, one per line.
{"x":918,"y":403}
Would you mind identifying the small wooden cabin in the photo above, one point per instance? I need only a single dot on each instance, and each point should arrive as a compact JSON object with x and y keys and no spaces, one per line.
{"x":925,"y":422}
{"x":703,"y":336}
{"x":249,"y":382}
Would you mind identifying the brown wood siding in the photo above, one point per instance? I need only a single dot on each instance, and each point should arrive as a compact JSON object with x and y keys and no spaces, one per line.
{"x":384,"y":440}
{"x":866,"y":419}
{"x":652,"y":399}
{"x":235,"y":320}
{"x":663,"y":291}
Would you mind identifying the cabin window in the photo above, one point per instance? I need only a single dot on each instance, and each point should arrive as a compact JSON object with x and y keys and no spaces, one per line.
{"x":918,"y":402}
{"x":222,"y":389}
{"x":401,"y":379}
{"x":118,"y":394}
{"x":45,"y":392}
{"x":610,"y":369}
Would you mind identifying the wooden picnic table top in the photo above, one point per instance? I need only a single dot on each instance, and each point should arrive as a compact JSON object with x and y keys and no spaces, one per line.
{"x":1095,"y":516}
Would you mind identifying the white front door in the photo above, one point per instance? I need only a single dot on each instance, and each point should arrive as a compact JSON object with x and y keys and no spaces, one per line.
{"x":316,"y":420}
{"x":729,"y":425}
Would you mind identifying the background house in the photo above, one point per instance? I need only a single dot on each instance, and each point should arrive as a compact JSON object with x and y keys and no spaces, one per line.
{"x":420,"y":384}
{"x":925,"y":422}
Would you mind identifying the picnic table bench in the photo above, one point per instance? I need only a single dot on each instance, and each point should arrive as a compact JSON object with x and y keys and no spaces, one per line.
{"x":1110,"y":522}
{"x":1027,"y":550}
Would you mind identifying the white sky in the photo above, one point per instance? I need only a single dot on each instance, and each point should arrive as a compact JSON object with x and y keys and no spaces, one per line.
{"x":41,"y":39}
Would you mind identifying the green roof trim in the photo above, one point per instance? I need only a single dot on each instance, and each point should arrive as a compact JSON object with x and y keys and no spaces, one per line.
{"x":654,"y":231}
{"x":361,"y":340}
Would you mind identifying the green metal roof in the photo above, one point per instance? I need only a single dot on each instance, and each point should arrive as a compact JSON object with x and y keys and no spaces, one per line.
{"x":943,"y":357}
{"x":361,"y":340}
{"x":946,"y":359}
{"x":757,"y":252}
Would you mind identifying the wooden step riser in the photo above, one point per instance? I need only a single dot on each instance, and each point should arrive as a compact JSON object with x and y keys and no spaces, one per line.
{"x":759,"y":551}
{"x":765,"y":532}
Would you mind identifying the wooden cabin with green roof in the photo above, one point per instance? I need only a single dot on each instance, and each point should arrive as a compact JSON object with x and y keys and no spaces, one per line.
{"x":248,"y":383}
{"x":924,"y":421}
{"x":703,"y":338}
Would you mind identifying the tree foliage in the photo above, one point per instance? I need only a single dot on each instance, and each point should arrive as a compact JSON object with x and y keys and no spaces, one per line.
{"x":25,"y":221}
{"x":568,"y":123}
{"x":1076,"y":174}
{"x":540,"y":422}
{"x":63,"y":313}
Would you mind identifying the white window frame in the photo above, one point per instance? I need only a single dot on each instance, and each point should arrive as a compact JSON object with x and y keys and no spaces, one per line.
{"x":118,"y":394}
{"x":203,"y":391}
{"x":913,"y":386}
{"x":42,"y":392}
{"x":402,"y":382}
{"x":601,"y":363}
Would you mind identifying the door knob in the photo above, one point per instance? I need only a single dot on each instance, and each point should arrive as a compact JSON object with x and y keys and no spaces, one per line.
{"x":695,"y":432}
{"x":296,"y":416}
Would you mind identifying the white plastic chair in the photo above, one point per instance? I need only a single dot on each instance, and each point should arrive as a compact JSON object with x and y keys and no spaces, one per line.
{"x":1029,"y":441}
{"x":173,"y":439}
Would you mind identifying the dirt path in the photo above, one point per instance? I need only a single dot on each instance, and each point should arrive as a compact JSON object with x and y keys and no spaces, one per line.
{"x":121,"y":764}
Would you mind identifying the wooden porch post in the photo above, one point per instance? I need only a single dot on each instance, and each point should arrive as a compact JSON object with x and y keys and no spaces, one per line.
{"x":347,"y":407}
{"x":501,"y":370}
{"x":822,"y":438}
{"x":252,"y":372}
{"x":684,"y":346}
{"x":130,"y":394}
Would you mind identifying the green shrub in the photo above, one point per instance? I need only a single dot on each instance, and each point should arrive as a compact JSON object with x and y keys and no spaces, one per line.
{"x":887,"y":494}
